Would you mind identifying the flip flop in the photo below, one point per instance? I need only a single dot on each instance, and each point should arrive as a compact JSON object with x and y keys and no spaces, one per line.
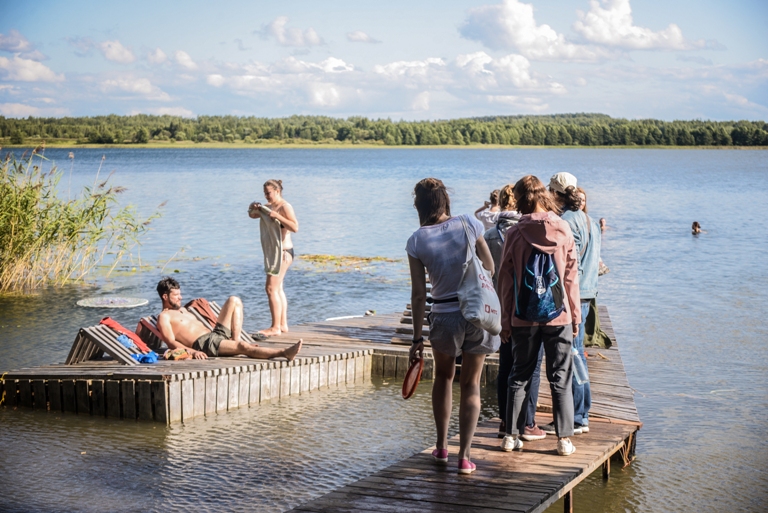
{"x":257,"y":335}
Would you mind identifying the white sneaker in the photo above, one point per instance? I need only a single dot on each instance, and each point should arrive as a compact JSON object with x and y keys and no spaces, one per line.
{"x":585,"y":429}
{"x":565,"y":447}
{"x":511,"y":443}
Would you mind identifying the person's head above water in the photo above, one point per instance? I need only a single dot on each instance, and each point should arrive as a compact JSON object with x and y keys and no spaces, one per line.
{"x":529,"y":193}
{"x":603,"y":224}
{"x":170,"y":293}
{"x":563,"y":187}
{"x":430,"y":198}
{"x":696,"y":227}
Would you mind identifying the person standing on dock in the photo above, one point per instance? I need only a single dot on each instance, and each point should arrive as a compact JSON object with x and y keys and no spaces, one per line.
{"x":439,"y":246}
{"x":540,"y":236}
{"x":586,"y":235}
{"x":495,"y":238}
{"x":278,"y":221}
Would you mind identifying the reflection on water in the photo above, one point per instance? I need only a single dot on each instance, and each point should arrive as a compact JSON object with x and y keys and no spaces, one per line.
{"x":688,"y":312}
{"x":268,"y":458}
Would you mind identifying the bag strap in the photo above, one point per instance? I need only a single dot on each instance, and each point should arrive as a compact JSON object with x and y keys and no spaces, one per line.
{"x":470,"y":245}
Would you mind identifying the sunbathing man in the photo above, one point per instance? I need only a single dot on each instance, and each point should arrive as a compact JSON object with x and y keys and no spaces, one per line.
{"x":181,"y":329}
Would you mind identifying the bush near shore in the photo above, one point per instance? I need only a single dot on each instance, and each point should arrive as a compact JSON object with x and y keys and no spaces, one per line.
{"x":546,"y":130}
{"x":46,"y":237}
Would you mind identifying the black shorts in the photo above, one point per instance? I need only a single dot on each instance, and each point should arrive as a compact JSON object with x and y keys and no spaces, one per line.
{"x":210,"y":342}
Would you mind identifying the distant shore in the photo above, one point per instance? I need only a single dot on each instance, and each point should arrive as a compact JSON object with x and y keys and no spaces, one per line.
{"x":303,"y":144}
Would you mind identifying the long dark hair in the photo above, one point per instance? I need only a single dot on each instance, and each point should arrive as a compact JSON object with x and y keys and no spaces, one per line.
{"x":430,"y":197}
{"x":570,"y":200}
{"x":529,"y":191}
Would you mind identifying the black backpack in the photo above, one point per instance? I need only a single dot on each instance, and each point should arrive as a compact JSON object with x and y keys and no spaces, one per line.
{"x":539,"y":298}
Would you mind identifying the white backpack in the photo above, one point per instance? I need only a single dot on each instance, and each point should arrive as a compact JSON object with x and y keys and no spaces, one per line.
{"x":477,"y":298}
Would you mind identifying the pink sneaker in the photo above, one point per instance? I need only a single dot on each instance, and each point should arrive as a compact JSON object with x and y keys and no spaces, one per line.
{"x":533,"y":433}
{"x":466,"y":467}
{"x":440,"y":455}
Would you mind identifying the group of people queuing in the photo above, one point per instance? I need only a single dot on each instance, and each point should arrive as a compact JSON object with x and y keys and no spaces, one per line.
{"x":520,"y":222}
{"x":185,"y":335}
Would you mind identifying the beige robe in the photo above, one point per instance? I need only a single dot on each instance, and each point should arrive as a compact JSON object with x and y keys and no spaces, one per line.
{"x":271,"y":241}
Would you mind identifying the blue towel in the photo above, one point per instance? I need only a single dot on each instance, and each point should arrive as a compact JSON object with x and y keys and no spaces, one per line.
{"x":150,"y":357}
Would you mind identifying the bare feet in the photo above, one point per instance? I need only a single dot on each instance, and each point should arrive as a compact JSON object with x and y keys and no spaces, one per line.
{"x":284,"y":329}
{"x":271,"y":332}
{"x":292,"y":351}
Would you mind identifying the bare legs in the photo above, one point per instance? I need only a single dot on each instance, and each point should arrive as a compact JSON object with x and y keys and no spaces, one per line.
{"x":278,"y":303}
{"x":236,"y":347}
{"x":442,"y":398}
{"x":231,"y":316}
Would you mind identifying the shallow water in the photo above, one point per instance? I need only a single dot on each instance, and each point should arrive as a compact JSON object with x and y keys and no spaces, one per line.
{"x":688,"y":313}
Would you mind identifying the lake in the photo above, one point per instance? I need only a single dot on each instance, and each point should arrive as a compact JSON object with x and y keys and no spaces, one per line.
{"x":688,"y":313}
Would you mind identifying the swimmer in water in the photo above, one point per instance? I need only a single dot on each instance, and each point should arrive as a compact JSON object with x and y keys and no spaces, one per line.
{"x":603,"y":224}
{"x":695,"y":228}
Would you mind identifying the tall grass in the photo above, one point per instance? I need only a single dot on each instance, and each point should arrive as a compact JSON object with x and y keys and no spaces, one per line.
{"x":46,"y":238}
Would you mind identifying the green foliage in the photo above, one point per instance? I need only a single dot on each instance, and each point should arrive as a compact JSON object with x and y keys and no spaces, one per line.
{"x":549,"y":130}
{"x":46,"y":238}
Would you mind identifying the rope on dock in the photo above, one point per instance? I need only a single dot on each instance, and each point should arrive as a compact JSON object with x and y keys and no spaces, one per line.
{"x":2,"y":380}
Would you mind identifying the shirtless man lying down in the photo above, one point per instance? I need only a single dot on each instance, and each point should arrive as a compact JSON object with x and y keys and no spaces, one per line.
{"x":181,"y":329}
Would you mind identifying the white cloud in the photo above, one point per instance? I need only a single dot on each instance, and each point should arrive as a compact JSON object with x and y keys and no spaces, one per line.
{"x":138,"y":86}
{"x":20,"y":110}
{"x":165,"y":111}
{"x":613,"y":25}
{"x":215,"y":80}
{"x":358,"y":36}
{"x":290,"y":36}
{"x":324,"y":95}
{"x":16,"y":43}
{"x":26,"y":70}
{"x":184,"y":59}
{"x":410,"y":69}
{"x":421,"y":101}
{"x":511,"y":25}
{"x":157,"y":56}
{"x":484,"y":73}
{"x":114,"y":51}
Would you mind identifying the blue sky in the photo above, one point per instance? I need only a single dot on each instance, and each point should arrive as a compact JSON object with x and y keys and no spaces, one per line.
{"x":400,"y":59}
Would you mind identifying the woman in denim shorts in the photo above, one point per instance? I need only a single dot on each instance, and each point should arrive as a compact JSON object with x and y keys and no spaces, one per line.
{"x":439,"y":247}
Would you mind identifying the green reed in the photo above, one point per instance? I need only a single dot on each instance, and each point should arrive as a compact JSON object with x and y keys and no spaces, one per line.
{"x":46,"y":238}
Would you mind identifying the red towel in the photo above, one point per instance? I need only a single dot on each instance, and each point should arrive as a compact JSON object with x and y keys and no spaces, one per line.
{"x":201,"y":305}
{"x":111,"y":323}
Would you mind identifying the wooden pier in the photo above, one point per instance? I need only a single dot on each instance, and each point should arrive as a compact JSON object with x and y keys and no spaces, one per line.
{"x":349,"y":351}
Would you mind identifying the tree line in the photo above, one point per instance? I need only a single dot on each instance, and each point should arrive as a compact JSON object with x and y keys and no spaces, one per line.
{"x":542,"y":130}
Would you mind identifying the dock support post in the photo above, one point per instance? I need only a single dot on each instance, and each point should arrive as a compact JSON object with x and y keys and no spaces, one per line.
{"x":607,"y":468}
{"x":568,"y":502}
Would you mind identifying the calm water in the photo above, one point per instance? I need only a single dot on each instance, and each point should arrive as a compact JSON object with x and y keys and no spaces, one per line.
{"x":688,"y":312}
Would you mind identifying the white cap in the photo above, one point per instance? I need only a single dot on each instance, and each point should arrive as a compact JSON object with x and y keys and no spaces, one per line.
{"x":561,"y":181}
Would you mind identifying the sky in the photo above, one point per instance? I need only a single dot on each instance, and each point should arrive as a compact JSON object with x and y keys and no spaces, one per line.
{"x":413,"y":60}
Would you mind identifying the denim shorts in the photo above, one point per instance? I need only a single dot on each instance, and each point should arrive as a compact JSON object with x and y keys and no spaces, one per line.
{"x":450,"y":333}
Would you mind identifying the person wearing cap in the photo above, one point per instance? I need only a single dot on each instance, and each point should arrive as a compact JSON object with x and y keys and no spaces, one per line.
{"x":586,"y":234}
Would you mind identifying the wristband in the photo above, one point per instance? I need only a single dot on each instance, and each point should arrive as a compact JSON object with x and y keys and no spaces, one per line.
{"x":418,"y":341}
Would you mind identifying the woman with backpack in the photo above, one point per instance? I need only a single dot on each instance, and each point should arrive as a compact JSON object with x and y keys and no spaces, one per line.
{"x":439,"y":247}
{"x":539,"y":293}
{"x":587,"y":237}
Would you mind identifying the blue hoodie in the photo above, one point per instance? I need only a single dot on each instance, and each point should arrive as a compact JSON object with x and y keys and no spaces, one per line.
{"x":589,"y":260}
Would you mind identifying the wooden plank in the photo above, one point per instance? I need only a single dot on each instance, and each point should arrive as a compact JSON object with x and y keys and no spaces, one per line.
{"x":401,"y":366}
{"x":322,"y":376}
{"x":304,"y":367}
{"x":265,"y":391}
{"x":428,"y":373}
{"x":222,"y":392}
{"x":144,"y":399}
{"x":350,"y":368}
{"x":175,"y":402}
{"x":390,"y":366}
{"x":377,"y":365}
{"x":314,"y":374}
{"x":198,"y":393}
{"x":11,"y":394}
{"x":112,"y":398}
{"x":25,"y":393}
{"x":83,"y":397}
{"x":285,"y":380}
{"x":187,"y":398}
{"x":161,"y":400}
{"x":295,"y":383}
{"x":333,"y":371}
{"x":211,"y":387}
{"x":40,"y":395}
{"x":255,"y":385}
{"x":233,"y":400}
{"x":244,"y":387}
{"x":54,"y":395}
{"x":128,"y":399}
{"x":274,"y":376}
{"x":367,"y":372}
{"x":98,"y":400}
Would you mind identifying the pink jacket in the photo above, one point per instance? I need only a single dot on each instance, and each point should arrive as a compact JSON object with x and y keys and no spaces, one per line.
{"x":549,"y":234}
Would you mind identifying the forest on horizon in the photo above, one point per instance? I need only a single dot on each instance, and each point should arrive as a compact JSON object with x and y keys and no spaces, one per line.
{"x":527,"y":130}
